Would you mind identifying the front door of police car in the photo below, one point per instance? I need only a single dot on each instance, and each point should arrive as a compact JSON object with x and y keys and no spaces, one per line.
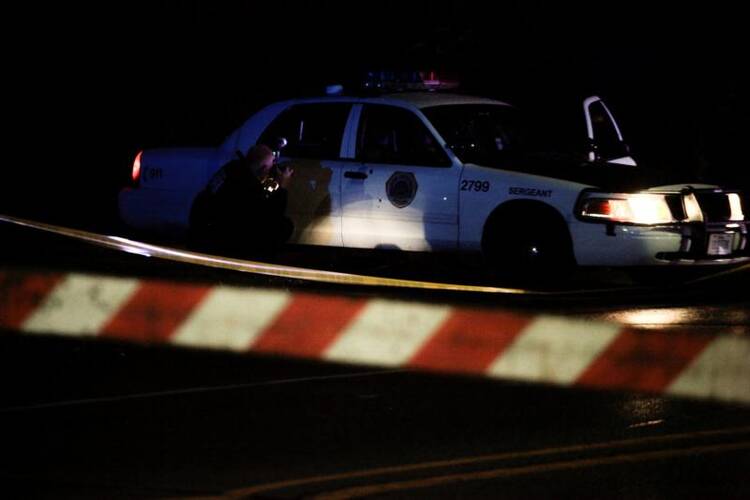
{"x":605,"y":138}
{"x":402,"y":190}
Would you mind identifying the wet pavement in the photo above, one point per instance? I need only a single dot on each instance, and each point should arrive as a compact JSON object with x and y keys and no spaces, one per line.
{"x":92,"y":419}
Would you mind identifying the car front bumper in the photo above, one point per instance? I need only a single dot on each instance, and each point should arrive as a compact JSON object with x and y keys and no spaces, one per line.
{"x":601,"y":244}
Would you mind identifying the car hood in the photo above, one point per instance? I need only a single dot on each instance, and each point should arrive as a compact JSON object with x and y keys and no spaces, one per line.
{"x":605,"y":176}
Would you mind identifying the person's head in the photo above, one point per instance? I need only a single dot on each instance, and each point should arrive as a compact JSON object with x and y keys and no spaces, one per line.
{"x":260,"y":158}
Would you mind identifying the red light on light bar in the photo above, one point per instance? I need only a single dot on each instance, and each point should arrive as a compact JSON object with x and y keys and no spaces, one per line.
{"x":432,"y":80}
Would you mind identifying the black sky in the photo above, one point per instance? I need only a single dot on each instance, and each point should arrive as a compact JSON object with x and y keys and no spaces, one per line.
{"x":105,"y":80}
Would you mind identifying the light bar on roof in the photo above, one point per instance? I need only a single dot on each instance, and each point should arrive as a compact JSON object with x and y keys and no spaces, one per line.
{"x":407,"y":80}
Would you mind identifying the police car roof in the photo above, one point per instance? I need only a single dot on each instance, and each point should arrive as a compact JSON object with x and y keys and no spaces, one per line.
{"x":415,"y":99}
{"x":428,"y":99}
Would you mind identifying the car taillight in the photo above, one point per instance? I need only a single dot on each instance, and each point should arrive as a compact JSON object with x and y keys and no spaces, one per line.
{"x":136,"y":173}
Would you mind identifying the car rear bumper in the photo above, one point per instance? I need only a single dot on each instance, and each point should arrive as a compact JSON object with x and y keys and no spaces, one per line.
{"x":155,"y":209}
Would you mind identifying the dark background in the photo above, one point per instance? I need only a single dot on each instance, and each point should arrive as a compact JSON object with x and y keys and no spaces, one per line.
{"x":88,"y":86}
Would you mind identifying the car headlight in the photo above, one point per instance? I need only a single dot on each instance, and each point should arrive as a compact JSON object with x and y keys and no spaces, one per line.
{"x":735,"y":206}
{"x":627,"y":208}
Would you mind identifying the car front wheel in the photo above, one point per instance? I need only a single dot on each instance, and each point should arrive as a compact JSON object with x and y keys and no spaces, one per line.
{"x":534,"y":249}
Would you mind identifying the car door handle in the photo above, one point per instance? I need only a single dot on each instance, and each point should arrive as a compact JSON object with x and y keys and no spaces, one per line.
{"x":355,"y":175}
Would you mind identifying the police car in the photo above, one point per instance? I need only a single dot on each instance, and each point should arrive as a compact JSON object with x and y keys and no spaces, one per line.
{"x":432,"y":171}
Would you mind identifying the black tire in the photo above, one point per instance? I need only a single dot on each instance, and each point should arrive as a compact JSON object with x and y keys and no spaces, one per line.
{"x":531,"y":245}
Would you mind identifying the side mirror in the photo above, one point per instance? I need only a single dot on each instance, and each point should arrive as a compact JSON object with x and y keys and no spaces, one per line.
{"x":606,"y":152}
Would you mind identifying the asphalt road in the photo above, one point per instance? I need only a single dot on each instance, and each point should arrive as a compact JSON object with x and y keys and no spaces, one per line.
{"x":92,"y":419}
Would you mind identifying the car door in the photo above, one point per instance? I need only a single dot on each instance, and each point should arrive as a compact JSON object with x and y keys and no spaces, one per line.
{"x":401,"y":192}
{"x":314,"y":134}
{"x":605,"y":139}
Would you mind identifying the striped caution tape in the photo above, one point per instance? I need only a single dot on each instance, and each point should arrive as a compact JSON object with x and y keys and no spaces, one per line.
{"x":283,"y":271}
{"x":440,"y":338}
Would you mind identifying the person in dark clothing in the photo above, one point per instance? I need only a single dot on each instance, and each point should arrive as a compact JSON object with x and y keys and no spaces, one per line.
{"x":241,"y":210}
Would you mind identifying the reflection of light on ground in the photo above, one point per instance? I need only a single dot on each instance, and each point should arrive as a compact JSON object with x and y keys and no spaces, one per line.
{"x":643,"y":411}
{"x":650,"y":423}
{"x":667,"y":316}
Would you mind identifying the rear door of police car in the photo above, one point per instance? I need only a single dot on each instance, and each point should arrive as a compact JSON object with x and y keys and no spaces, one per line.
{"x":315,"y":133}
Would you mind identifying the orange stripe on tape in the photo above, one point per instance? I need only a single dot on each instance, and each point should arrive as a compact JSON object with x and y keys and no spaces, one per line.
{"x":644,"y":360}
{"x":21,"y":294}
{"x":308,"y":325}
{"x":469,"y":341}
{"x":154,"y":312}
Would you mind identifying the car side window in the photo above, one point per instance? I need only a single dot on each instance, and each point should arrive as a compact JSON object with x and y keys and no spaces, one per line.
{"x":389,"y":134}
{"x":313,"y":130}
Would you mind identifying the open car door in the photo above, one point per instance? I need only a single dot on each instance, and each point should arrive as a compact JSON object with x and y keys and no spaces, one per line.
{"x":605,"y":139}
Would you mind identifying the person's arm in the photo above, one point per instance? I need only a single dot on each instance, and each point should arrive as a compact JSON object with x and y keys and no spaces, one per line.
{"x":277,"y":200}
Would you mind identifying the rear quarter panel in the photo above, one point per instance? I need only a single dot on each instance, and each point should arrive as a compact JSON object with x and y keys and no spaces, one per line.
{"x":179,"y":169}
{"x":170,"y":180}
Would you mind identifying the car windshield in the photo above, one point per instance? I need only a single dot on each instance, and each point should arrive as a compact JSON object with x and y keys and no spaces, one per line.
{"x":479,"y":133}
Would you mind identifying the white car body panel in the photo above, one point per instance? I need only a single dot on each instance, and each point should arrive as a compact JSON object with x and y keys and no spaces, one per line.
{"x":345,"y":202}
{"x":315,"y":201}
{"x":507,"y":186}
{"x":155,"y":210}
{"x":429,"y":222}
{"x":370,"y":220}
{"x":630,"y":246}
{"x":170,"y":180}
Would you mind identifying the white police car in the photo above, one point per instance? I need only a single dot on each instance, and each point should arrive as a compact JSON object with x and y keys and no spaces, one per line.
{"x":428,"y":171}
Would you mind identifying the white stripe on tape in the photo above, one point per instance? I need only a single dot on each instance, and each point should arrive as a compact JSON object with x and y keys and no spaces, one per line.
{"x":231,"y":318}
{"x":721,"y":371}
{"x":387,"y":333}
{"x":554,"y":350}
{"x":80,"y":305}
